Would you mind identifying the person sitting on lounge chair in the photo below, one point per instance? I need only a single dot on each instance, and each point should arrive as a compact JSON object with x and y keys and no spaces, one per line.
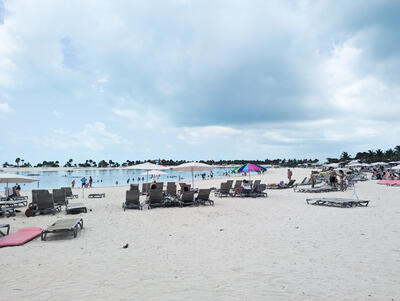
{"x":153,"y":186}
{"x":246,"y":187}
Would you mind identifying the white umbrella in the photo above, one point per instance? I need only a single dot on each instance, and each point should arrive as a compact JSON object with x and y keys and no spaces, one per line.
{"x":192,"y":166}
{"x":334,"y":165}
{"x":378,"y":163}
{"x":396,"y":167}
{"x":147,"y":166}
{"x":154,"y":173}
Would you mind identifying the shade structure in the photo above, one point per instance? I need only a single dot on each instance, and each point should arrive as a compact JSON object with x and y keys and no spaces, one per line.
{"x":334,"y":165}
{"x":397,"y":167}
{"x":14,"y":178}
{"x":379,"y":163}
{"x":148,"y":167}
{"x":192,"y":167}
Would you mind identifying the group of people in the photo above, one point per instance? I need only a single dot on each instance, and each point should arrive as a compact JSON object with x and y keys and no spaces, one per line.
{"x":85,"y":182}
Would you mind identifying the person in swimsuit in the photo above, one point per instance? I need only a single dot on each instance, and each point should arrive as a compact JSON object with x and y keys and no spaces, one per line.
{"x":332,"y":177}
{"x":341,"y":177}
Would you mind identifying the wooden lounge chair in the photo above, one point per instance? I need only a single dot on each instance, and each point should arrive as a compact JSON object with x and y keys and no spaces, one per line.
{"x":156,"y":199}
{"x":64,"y":225}
{"x":203,"y":197}
{"x":187,"y":198}
{"x":338,"y":202}
{"x":96,"y":195}
{"x":45,"y":203}
{"x":75,"y":208}
{"x":7,"y":226}
{"x":132,"y":200}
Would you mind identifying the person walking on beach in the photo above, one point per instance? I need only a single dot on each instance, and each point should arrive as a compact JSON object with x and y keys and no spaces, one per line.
{"x":332,"y":177}
{"x":290,"y":174}
{"x":312,"y":179}
{"x":90,"y":181}
{"x":83,"y":180}
{"x":73,"y":183}
{"x":341,"y":177}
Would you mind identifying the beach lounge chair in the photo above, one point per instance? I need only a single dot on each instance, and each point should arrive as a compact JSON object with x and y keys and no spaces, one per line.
{"x":160,"y":186}
{"x":75,"y":208}
{"x":281,"y":185}
{"x":256,"y":182}
{"x":68,"y":193}
{"x":224,"y":191}
{"x":183,"y":185}
{"x":132,"y":200}
{"x":317,"y":189}
{"x":45,"y":203}
{"x":259,"y":190}
{"x":171,"y":189}
{"x":16,"y":203}
{"x":203,"y":197}
{"x":156,"y":199}
{"x":187,"y":198}
{"x":230,"y":183}
{"x":7,"y":226}
{"x":238,"y":183}
{"x":338,"y":202}
{"x":145,"y":188}
{"x":96,"y":195}
{"x":134,"y":187}
{"x":59,"y":197}
{"x":64,"y":225}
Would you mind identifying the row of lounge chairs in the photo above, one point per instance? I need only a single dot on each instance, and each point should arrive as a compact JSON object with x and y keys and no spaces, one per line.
{"x":159,"y":199}
{"x":228,"y":190}
{"x":45,"y":202}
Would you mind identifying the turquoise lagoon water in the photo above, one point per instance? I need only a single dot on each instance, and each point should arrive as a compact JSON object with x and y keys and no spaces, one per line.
{"x":105,"y":177}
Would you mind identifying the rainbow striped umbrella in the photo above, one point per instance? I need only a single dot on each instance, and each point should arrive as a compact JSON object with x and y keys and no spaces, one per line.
{"x":249,"y":167}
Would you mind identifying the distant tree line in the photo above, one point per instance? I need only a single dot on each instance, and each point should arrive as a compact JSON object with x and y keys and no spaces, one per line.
{"x":369,"y":156}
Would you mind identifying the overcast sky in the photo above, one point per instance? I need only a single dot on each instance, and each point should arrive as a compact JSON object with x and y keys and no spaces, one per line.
{"x":199,"y":79}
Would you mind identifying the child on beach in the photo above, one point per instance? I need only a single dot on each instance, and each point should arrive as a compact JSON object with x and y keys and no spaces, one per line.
{"x":73,"y":183}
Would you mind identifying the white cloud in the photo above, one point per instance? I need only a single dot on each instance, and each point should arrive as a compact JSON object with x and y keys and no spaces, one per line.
{"x":94,"y":137}
{"x":57,"y":114}
{"x":5,"y":107}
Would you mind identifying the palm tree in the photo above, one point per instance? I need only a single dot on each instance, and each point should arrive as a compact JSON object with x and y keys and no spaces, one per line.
{"x":345,"y":157}
{"x":17,"y":160}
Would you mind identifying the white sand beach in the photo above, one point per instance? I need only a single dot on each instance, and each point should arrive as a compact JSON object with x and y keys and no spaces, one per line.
{"x":275,"y":248}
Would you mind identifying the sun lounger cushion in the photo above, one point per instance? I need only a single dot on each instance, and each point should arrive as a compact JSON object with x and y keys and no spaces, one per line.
{"x":20,"y":237}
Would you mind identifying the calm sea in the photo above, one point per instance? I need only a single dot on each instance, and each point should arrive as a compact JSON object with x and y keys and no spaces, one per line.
{"x":105,"y":177}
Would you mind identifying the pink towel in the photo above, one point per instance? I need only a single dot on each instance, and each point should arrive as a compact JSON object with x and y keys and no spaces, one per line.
{"x":20,"y":237}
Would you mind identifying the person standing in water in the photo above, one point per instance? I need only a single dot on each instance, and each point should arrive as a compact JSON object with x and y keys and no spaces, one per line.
{"x":90,"y":181}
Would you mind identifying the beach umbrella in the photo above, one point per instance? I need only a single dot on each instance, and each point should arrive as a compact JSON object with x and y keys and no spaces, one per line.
{"x":192,"y":167}
{"x":396,"y":167}
{"x":249,"y":167}
{"x":148,"y":167}
{"x":334,"y":165}
{"x":14,"y":178}
{"x":378,"y":163}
